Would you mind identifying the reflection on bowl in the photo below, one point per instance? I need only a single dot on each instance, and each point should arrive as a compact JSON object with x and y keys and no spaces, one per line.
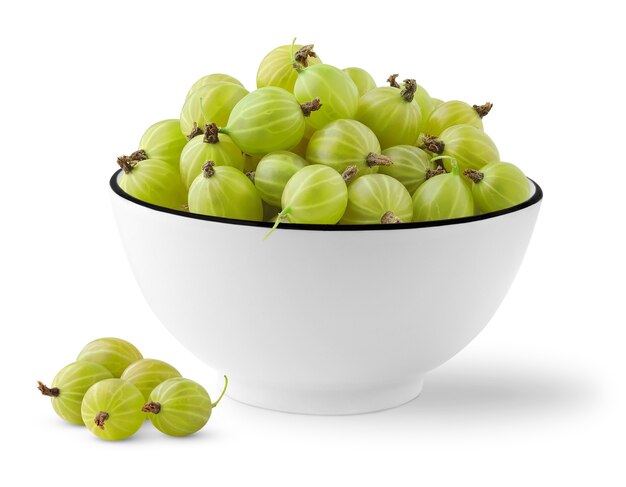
{"x":323,"y":319}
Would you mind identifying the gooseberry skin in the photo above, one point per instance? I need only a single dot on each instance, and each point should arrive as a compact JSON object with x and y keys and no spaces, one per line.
{"x":164,"y":140}
{"x":425,"y":102}
{"x":213,"y":78}
{"x":210,"y":103}
{"x":501,"y":185}
{"x":449,"y":113}
{"x":70,"y":385}
{"x":315,"y":194}
{"x":410,"y":165}
{"x":471,"y":147}
{"x":362,"y":79}
{"x":197,"y":151}
{"x":115,"y":354}
{"x":147,"y":373}
{"x":276,"y":68}
{"x":273,"y":172}
{"x":344,"y":143}
{"x":267,"y":120}
{"x":393,"y":119}
{"x":184,"y":407}
{"x":111,"y":409}
{"x":227,"y":193}
{"x":155,"y":181}
{"x":443,"y":197}
{"x":372,"y":196}
{"x":336,"y":90}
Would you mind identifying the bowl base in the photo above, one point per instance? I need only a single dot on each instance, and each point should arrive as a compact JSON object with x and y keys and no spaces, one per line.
{"x":340,"y":401}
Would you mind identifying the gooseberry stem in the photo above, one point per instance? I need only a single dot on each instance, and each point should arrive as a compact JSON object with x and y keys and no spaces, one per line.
{"x":151,"y":407}
{"x":434,"y":172}
{"x":392,"y":81}
{"x":374,"y":159}
{"x":100,"y":418}
{"x":280,"y":217}
{"x":453,"y":163}
{"x":408,"y":92}
{"x":310,"y":106}
{"x":207,"y":169}
{"x":46,"y":391}
{"x":222,"y":394}
{"x":195,"y":130}
{"x":211,"y":134}
{"x":483,"y":110}
{"x":389,"y":217}
{"x":474,"y":175}
{"x":349,"y":173}
{"x":433,"y":144}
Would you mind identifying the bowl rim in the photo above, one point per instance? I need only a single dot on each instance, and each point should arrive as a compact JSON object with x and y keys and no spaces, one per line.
{"x":533,"y":200}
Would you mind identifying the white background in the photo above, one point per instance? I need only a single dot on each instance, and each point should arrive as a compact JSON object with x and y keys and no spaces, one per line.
{"x":537,"y":399}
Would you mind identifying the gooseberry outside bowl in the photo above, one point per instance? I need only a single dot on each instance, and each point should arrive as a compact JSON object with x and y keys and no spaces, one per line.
{"x":323,"y":319}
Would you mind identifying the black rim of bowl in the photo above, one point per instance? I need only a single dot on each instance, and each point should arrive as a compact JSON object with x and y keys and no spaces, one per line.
{"x":534,"y":199}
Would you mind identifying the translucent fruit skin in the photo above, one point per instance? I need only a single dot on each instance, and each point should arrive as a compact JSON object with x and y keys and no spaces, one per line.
{"x":121,"y":400}
{"x":157,"y":182}
{"x":276,"y":68}
{"x":267,"y":120}
{"x":394,"y":120}
{"x":442,"y":197}
{"x":371,"y":196}
{"x":335,"y":89}
{"x":164,"y":140}
{"x":362,"y":79}
{"x":343,"y":143}
{"x":212,"y":78}
{"x":315,"y":194}
{"x":73,"y":381}
{"x":196,"y":152}
{"x":425,"y":102}
{"x":147,"y":373}
{"x":210,"y":103}
{"x":453,"y":112}
{"x":273,"y":172}
{"x":228,"y":193}
{"x":471,"y":147}
{"x":503,"y":185}
{"x":185,"y":407}
{"x":409,"y":166}
{"x":113,"y":353}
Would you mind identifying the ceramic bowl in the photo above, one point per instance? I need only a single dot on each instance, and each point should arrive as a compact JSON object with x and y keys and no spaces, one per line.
{"x":323,"y":319}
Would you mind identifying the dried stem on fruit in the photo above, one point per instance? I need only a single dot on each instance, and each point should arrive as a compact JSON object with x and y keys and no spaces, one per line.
{"x":483,"y":110}
{"x":126,"y":164}
{"x":46,"y":391}
{"x":195,"y":130}
{"x":208,"y":169}
{"x":408,"y":92}
{"x":211,"y":133}
{"x":474,"y":175}
{"x":151,"y":407}
{"x":301,"y":56}
{"x":389,"y":218}
{"x":392,"y":81}
{"x":349,"y":173}
{"x":100,"y":418}
{"x":433,"y":144}
{"x":374,"y":159}
{"x":251,"y":175}
{"x":310,"y":106}
{"x":435,"y":172}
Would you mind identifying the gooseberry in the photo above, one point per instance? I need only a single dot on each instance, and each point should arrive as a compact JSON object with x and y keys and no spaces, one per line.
{"x":276,"y":68}
{"x":362,"y":79}
{"x":113,"y":353}
{"x":410,"y":165}
{"x":455,"y":112}
{"x":147,"y":373}
{"x":498,"y":185}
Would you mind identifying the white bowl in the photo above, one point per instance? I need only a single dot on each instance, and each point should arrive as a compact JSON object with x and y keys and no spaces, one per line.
{"x":323,"y":319}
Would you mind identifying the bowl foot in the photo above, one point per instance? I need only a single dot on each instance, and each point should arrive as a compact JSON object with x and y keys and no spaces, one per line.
{"x":329,"y":401}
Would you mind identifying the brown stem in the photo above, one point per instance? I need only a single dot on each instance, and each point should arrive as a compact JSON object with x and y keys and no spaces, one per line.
{"x":138,"y":155}
{"x":474,"y":175}
{"x":433,"y":144}
{"x":195,"y":130}
{"x":126,"y":164}
{"x":50,"y":392}
{"x":408,"y":92}
{"x":392,"y":81}
{"x":434,"y":172}
{"x":251,"y":175}
{"x":389,"y":217}
{"x":311,"y":106}
{"x":483,"y":110}
{"x":349,"y":173}
{"x":211,"y":134}
{"x":302,"y":55}
{"x":151,"y":407}
{"x":374,"y":159}
{"x":100,"y":418}
{"x":207,"y":169}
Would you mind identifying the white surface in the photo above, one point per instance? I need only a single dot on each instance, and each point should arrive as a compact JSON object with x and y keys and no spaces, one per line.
{"x":537,"y":399}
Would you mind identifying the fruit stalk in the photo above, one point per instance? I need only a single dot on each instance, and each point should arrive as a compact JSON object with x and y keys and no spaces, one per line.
{"x":389,"y":218}
{"x":151,"y":407}
{"x":408,"y":92}
{"x":310,"y":106}
{"x":392,"y":81}
{"x":211,"y":133}
{"x":483,"y":110}
{"x":208,"y":169}
{"x":100,"y":418}
{"x":46,"y":391}
{"x":474,"y":175}
{"x":374,"y":159}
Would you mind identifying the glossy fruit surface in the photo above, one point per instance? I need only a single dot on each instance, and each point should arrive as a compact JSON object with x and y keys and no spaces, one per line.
{"x":362,"y":79}
{"x":212,"y":78}
{"x":113,"y":353}
{"x":345,"y":143}
{"x":164,"y":140}
{"x":455,"y":112}
{"x":410,"y":165}
{"x":498,"y":185}
{"x":267,"y":120}
{"x":276,"y":68}
{"x":217,"y":148}
{"x":226,"y":192}
{"x":377,"y":198}
{"x":442,"y":197}
{"x":153,"y":181}
{"x":273,"y":172}
{"x":147,"y":373}
{"x":69,"y":386}
{"x":180,"y":407}
{"x":335,"y":89}
{"x":210,"y":103}
{"x":111,"y":409}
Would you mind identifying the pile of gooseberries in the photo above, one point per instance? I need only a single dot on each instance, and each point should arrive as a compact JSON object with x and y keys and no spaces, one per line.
{"x":112,"y":389}
{"x":315,"y":144}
